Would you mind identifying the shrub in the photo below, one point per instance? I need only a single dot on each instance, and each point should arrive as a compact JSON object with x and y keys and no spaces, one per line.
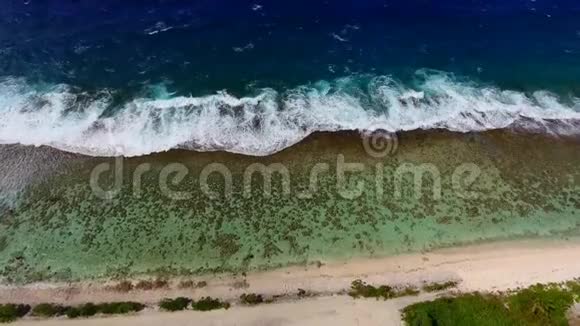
{"x":160,"y":284}
{"x":22,"y":310}
{"x":541,"y":305}
{"x":435,"y":287}
{"x":208,"y":303}
{"x":251,"y":299}
{"x":123,"y":286}
{"x":362,"y":289}
{"x":186,"y":284}
{"x":150,"y":285}
{"x":73,"y":312}
{"x":359,"y":289}
{"x":538,"y":305}
{"x":144,"y":285}
{"x":115,"y":308}
{"x":468,"y":309}
{"x":10,"y":312}
{"x":574,"y":286}
{"x":48,"y":310}
{"x":88,"y":309}
{"x":406,"y":292}
{"x":85,"y":310}
{"x":174,"y":304}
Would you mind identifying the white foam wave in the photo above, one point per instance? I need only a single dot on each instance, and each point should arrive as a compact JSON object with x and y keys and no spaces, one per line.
{"x":61,"y":117}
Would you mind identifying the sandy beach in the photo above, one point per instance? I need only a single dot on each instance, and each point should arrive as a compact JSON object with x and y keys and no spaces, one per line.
{"x":289,"y":162}
{"x":484,"y":267}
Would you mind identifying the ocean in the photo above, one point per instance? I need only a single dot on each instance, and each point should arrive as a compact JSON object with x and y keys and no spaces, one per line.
{"x":192,"y":137}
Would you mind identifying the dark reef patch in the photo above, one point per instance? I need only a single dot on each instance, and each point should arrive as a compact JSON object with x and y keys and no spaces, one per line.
{"x":423,"y":196}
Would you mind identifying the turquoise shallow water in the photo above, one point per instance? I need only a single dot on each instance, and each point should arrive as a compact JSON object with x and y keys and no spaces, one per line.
{"x":174,"y":85}
{"x":471,"y":188}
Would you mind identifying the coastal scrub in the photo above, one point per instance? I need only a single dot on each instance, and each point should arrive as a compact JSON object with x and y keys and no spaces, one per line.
{"x":209,"y":303}
{"x":10,"y":312}
{"x":361,"y":289}
{"x":436,"y":287}
{"x":541,"y":305}
{"x":251,"y":299}
{"x":176,"y":304}
{"x":47,"y":310}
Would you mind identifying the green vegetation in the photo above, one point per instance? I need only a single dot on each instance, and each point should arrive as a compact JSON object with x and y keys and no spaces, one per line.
{"x":85,"y":310}
{"x":174,"y":304}
{"x":574,"y":286}
{"x":150,"y":285}
{"x":144,"y":285}
{"x":88,"y":309}
{"x":112,"y":308}
{"x":468,"y":309}
{"x":48,"y":310}
{"x":435,"y":287}
{"x":208,"y":303}
{"x":123,"y":286}
{"x":364,"y":290}
{"x":541,"y":305}
{"x":188,"y":284}
{"x":160,"y":284}
{"x":73,"y":313}
{"x":538,"y":305}
{"x":407,"y":292}
{"x":116,"y":308}
{"x":251,"y":299}
{"x":10,"y":312}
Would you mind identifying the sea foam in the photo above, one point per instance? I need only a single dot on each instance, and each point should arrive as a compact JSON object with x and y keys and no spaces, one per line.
{"x":60,"y":116}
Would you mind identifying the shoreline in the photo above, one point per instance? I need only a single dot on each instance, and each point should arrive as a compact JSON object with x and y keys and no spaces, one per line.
{"x":486,"y":267}
{"x":352,"y":137}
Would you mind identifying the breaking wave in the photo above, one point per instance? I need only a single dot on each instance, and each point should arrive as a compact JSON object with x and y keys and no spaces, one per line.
{"x":63,"y":117}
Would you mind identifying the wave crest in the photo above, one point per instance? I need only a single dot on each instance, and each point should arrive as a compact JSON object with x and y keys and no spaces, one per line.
{"x":62,"y":117}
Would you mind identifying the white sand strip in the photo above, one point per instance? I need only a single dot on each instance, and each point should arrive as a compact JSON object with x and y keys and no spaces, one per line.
{"x":487,"y":267}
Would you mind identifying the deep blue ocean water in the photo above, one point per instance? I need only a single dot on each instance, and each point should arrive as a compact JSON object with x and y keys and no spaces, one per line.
{"x":173,"y":49}
{"x":203,"y":46}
